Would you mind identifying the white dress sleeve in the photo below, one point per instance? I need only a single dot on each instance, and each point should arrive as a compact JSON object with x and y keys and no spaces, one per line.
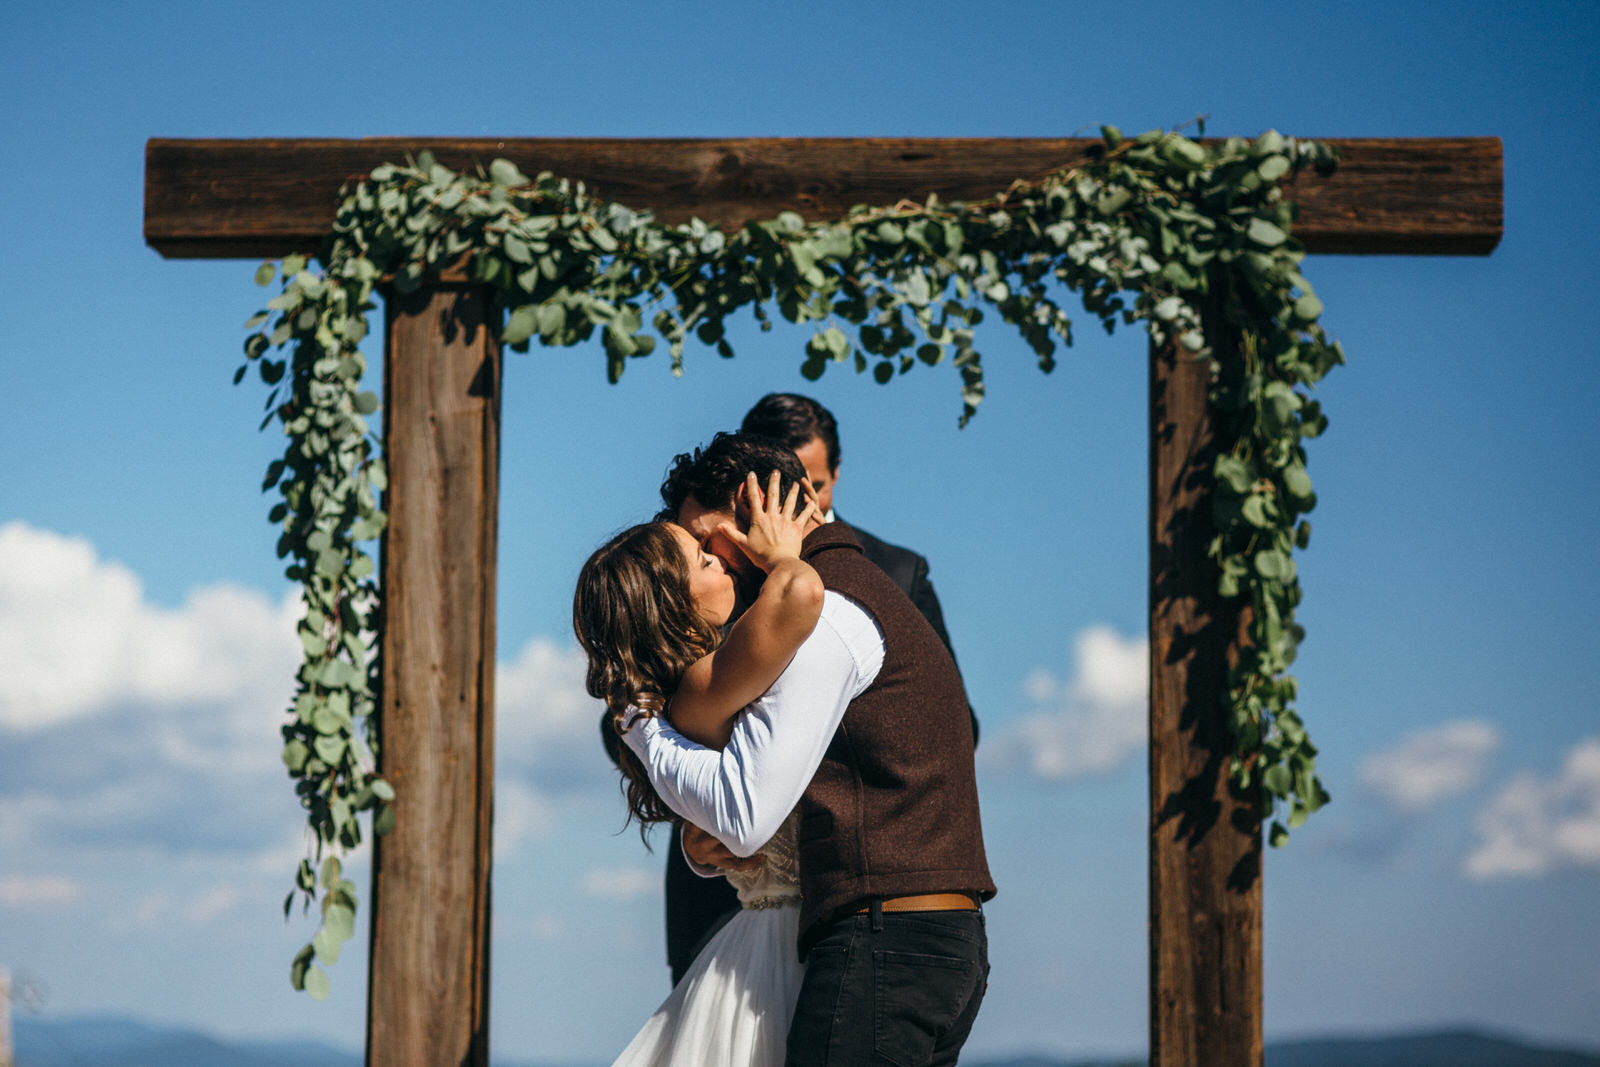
{"x":742,"y":794}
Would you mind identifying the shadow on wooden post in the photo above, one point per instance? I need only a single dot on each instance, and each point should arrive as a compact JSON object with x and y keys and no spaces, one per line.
{"x":428,"y":978}
{"x":1205,"y":840}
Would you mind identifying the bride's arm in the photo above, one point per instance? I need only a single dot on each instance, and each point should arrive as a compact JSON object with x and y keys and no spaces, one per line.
{"x":743,"y":793}
{"x":764,"y":640}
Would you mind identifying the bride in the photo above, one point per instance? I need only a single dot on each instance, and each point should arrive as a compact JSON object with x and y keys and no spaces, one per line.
{"x":650,"y":610}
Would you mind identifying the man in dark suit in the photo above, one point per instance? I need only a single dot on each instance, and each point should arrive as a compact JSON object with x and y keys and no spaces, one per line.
{"x":697,"y":907}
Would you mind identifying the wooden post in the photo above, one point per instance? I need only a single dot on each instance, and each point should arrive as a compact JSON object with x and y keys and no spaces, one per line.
{"x":1205,"y":841}
{"x":428,"y":977}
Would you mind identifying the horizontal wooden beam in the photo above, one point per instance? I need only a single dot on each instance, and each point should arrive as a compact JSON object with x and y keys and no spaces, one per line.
{"x":222,"y":199}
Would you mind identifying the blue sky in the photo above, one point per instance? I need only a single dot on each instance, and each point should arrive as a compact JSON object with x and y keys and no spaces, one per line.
{"x":147,"y":833}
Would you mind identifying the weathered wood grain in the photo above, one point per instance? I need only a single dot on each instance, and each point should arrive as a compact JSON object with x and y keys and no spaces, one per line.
{"x":1205,"y":843}
{"x":428,"y":981}
{"x":211,"y":199}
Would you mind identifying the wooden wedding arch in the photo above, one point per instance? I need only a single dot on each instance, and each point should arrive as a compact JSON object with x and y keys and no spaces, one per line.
{"x":428,"y":990}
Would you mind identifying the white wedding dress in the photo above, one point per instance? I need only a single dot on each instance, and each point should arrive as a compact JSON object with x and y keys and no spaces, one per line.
{"x":734,"y":1005}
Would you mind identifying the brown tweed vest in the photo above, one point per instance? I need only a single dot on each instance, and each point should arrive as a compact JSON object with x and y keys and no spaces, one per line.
{"x":893,"y":809}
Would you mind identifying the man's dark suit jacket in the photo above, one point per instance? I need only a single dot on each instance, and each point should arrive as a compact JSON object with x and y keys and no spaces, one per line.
{"x":697,"y":907}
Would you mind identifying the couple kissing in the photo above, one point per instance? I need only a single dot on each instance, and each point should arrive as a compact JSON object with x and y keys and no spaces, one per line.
{"x":777,"y":690}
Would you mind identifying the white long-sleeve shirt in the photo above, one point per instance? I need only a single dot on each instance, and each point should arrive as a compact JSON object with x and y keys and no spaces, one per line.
{"x":742,"y":794}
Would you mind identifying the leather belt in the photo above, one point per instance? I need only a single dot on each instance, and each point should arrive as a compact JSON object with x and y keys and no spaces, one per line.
{"x":924,"y":902}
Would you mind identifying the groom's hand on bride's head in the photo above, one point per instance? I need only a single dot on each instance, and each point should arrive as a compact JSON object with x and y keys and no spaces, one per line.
{"x":707,"y":851}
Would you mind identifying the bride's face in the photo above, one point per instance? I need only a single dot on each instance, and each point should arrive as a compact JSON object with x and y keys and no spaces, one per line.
{"x":710,"y":585}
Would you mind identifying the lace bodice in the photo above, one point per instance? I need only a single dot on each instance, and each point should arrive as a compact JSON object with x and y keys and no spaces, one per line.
{"x":776,"y":883}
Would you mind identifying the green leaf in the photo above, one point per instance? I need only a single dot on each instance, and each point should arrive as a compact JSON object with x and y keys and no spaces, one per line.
{"x":340,"y":920}
{"x":1274,"y":565}
{"x":1272,"y":168}
{"x":1265,"y":233}
{"x":1187,"y":151}
{"x":1297,"y":481}
{"x":836,"y":343}
{"x":265,"y":273}
{"x":326,"y":721}
{"x":1280,"y":404}
{"x":366,"y":403}
{"x":330,"y":749}
{"x":327,"y":946}
{"x":1278,"y":836}
{"x":521,"y":325}
{"x":1307,"y":308}
{"x":552,"y":319}
{"x":619,"y":342}
{"x":516,"y":249}
{"x":294,"y":756}
{"x":1112,"y":200}
{"x":504,"y":172}
{"x":316,"y":982}
{"x":297,"y":969}
{"x":1277,"y":780}
{"x":1237,"y":473}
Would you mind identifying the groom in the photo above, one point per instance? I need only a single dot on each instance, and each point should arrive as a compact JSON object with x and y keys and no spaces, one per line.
{"x":869,"y":730}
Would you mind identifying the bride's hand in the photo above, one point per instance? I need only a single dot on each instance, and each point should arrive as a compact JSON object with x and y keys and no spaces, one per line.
{"x":707,"y":851}
{"x":776,"y":529}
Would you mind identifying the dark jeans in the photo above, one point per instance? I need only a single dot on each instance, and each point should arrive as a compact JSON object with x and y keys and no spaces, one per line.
{"x":898,"y":988}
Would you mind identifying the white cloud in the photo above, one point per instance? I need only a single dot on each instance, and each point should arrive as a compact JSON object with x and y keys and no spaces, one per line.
{"x":161,"y":909}
{"x":131,"y":727}
{"x":1533,"y":827}
{"x":540,"y":694}
{"x":37,"y":890}
{"x":78,"y":639}
{"x":136,"y":728}
{"x":547,"y":727}
{"x":1431,"y":765}
{"x":622,"y":883}
{"x":1091,"y":723}
{"x":548,"y":754}
{"x":214,"y":903}
{"x":520,"y":815}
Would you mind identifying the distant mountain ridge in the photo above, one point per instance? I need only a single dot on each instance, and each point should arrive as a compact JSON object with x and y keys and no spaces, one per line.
{"x":102,"y":1042}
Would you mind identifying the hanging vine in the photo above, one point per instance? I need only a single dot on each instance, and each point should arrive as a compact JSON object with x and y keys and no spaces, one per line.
{"x":1141,"y":232}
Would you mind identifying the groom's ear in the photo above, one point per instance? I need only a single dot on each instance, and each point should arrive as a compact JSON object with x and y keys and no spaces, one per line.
{"x":742,"y":506}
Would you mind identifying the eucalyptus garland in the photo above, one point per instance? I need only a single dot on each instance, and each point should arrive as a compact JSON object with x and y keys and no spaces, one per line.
{"x":1142,"y":232}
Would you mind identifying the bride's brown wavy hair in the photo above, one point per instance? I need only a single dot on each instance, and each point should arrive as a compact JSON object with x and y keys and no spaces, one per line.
{"x":638,"y":625}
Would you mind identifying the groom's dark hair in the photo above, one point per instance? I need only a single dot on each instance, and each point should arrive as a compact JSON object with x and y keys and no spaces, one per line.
{"x":713,"y":474}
